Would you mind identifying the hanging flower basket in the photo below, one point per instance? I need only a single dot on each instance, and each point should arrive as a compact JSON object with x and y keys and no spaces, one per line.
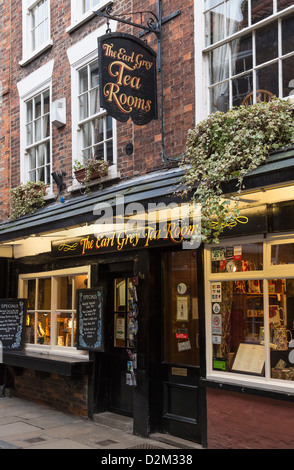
{"x":27,"y":198}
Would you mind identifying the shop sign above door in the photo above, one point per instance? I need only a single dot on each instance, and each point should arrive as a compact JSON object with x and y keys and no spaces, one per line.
{"x":127,"y":78}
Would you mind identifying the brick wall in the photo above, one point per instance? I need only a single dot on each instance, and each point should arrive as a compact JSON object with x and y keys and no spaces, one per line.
{"x":178,"y":59}
{"x":238,"y":421}
{"x":4,"y":106}
{"x":67,"y":394}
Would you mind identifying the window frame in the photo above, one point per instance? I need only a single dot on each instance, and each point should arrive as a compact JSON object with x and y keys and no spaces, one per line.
{"x":78,"y":18}
{"x":202,"y":55}
{"x":35,"y":83}
{"x":77,"y":60}
{"x":53,"y":348}
{"x":28,"y":52}
{"x":268,"y":273}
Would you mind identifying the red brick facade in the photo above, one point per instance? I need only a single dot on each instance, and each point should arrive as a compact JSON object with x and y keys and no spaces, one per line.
{"x":179,"y":95}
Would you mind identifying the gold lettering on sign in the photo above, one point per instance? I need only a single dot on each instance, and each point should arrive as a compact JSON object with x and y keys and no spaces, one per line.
{"x":120,"y":69}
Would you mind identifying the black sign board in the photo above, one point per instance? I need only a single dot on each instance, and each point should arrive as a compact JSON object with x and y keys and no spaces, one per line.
{"x":127,"y":78}
{"x":12,"y":323}
{"x":90,"y":309}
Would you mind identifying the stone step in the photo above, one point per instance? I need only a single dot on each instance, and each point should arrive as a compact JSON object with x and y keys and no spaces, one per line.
{"x":114,"y":420}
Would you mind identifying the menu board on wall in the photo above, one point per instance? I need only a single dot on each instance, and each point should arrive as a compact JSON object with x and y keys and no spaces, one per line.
{"x":12,"y":323}
{"x":90,"y":310}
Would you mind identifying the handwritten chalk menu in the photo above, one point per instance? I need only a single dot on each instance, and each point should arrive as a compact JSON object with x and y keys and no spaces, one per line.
{"x":90,"y":319}
{"x":12,"y":323}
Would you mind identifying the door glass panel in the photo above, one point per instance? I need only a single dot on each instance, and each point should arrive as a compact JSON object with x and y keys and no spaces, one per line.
{"x":120,"y":312}
{"x":181,"y":321}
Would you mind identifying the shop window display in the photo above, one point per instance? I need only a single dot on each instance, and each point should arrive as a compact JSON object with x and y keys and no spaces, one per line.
{"x":51,"y":315}
{"x":252,"y":312}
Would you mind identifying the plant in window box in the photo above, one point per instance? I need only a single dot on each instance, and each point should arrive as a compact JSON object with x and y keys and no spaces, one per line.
{"x":91,"y":169}
{"x":226,"y":147}
{"x":27,"y":198}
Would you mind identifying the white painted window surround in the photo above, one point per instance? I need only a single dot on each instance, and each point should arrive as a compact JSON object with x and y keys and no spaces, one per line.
{"x":36,"y":29}
{"x":82,"y":53}
{"x":78,"y":16}
{"x":35,"y":83}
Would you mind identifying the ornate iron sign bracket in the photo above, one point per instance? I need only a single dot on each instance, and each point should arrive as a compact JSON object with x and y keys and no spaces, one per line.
{"x":154,"y":23}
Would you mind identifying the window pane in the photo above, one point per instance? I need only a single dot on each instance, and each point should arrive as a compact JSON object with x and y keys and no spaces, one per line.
{"x":83,"y":101}
{"x":86,"y":132}
{"x":219,"y":98}
{"x":288,"y":35}
{"x":284,"y":4}
{"x":65,"y":325}
{"x":98,"y":130}
{"x":288,"y":76}
{"x":181,"y":321}
{"x":237,"y":15}
{"x":267,"y":83}
{"x":30,"y":328}
{"x":64,"y":293}
{"x":109,"y":156}
{"x":242,"y":90}
{"x":241,"y":55}
{"x":83,"y":80}
{"x":281,"y":322}
{"x":237,"y":322}
{"x":237,"y":258}
{"x":80,"y":282}
{"x":31,"y":294}
{"x":261,"y":10}
{"x":43,"y":328}
{"x":265,"y":37}
{"x":215,"y":25}
{"x":282,"y":254}
{"x":44,"y":294}
{"x":220,"y":64}
{"x":94,"y":101}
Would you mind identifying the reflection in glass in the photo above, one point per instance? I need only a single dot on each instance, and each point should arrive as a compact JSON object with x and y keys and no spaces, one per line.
{"x":44,"y":297}
{"x":219,"y":64}
{"x":215,"y":25}
{"x":246,"y":257}
{"x":267,"y":82}
{"x":266,"y":43}
{"x":288,"y":35}
{"x":282,"y":4}
{"x":288,"y":76}
{"x":282,"y":254}
{"x":237,"y":15}
{"x":261,"y":9}
{"x":241,"y":54}
{"x":242,"y":89}
{"x":219,"y":98}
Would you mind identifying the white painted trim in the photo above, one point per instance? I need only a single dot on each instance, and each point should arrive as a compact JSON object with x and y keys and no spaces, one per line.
{"x":77,"y":18}
{"x":36,"y":82}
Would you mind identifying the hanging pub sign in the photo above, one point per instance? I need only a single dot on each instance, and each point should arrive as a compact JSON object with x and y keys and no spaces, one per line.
{"x":127,"y":78}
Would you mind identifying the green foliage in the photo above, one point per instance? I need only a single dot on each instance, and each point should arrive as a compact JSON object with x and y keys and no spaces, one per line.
{"x":92,"y":167}
{"x":227,"y":146}
{"x":27,"y":198}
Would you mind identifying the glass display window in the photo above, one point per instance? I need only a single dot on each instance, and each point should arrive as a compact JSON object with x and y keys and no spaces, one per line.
{"x":250,"y":312}
{"x":51,"y":316}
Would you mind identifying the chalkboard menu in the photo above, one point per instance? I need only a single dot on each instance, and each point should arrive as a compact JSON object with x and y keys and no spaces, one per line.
{"x":12,"y":323}
{"x":90,"y":311}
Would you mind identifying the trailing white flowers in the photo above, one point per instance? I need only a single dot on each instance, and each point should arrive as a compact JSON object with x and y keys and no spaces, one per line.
{"x":226,"y":147}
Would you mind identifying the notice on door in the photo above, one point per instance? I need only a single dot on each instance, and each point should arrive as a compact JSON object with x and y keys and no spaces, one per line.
{"x":90,"y":312}
{"x":12,"y":323}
